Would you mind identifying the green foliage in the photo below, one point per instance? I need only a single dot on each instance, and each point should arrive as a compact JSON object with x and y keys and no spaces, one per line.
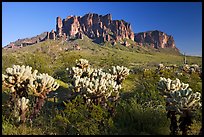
{"x":42,"y":125}
{"x":40,"y":62}
{"x":81,"y":119}
{"x":133,"y":118}
{"x":140,"y":110}
{"x":61,"y":74}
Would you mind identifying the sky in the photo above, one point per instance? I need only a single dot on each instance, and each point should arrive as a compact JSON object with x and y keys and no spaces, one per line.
{"x":182,"y":20}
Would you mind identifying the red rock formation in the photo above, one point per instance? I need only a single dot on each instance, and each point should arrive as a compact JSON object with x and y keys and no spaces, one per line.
{"x":157,"y":38}
{"x":59,"y":26}
{"x":12,"y":46}
{"x":94,"y":26}
{"x":48,"y":35}
{"x":79,"y":35}
{"x":52,"y":35}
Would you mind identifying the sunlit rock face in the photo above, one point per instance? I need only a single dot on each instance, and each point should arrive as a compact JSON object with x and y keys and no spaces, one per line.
{"x":97,"y":27}
{"x":155,"y":38}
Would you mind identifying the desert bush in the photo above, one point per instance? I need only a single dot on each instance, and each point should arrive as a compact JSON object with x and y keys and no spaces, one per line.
{"x":79,"y":118}
{"x":61,"y":74}
{"x":133,"y":118}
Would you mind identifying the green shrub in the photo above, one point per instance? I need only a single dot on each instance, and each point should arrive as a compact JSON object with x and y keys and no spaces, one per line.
{"x":133,"y":118}
{"x":79,"y":118}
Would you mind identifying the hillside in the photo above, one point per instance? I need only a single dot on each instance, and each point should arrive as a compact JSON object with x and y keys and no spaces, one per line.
{"x":51,"y":53}
{"x":131,"y":116}
{"x":54,"y":56}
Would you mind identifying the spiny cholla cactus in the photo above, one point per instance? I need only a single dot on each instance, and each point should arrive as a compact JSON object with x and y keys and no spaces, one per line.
{"x":101,"y":84}
{"x":181,"y":100}
{"x":185,"y":67}
{"x":42,"y":84}
{"x":22,"y":107}
{"x":17,"y":78}
{"x":21,"y":80}
{"x":82,"y":63}
{"x":178,"y":95}
{"x":191,"y":68}
{"x":168,"y":86}
{"x":95,"y":84}
{"x":160,"y":66}
{"x":119,"y":73}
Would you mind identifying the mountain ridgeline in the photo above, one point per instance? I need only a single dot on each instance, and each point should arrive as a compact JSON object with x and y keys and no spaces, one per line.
{"x":100,"y":29}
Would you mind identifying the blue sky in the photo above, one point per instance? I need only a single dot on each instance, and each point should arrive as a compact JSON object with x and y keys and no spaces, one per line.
{"x":182,"y":20}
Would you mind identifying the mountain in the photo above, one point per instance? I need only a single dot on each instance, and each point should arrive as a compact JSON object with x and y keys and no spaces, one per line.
{"x":156,"y":39}
{"x":97,"y":27}
{"x":100,"y":29}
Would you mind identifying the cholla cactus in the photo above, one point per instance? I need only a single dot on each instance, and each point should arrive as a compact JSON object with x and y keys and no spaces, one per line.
{"x":21,"y":77}
{"x":22,"y":106}
{"x":191,"y":68}
{"x":181,"y":100}
{"x":77,"y":71}
{"x":119,"y":72}
{"x":160,"y":66}
{"x":42,"y":85}
{"x":186,"y":67}
{"x":178,"y":94}
{"x":168,"y":86}
{"x":23,"y":103}
{"x":95,"y":84}
{"x":17,"y":78}
{"x":195,"y":68}
{"x":21,"y":80}
{"x":82,"y":63}
{"x":100,"y":85}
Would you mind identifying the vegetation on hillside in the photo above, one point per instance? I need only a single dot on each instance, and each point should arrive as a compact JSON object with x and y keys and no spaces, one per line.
{"x":140,"y":108}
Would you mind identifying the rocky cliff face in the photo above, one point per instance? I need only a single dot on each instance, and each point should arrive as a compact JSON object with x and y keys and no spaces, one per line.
{"x":156,"y":39}
{"x":97,"y":27}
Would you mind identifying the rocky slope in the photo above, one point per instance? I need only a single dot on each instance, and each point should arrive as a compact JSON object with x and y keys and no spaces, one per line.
{"x":27,"y":41}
